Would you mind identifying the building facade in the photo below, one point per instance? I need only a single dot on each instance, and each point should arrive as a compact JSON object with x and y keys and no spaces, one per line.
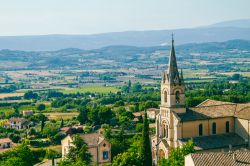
{"x":17,"y":123}
{"x":211,"y":125}
{"x":98,"y":146}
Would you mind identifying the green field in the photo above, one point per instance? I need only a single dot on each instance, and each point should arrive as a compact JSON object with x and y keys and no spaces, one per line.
{"x":92,"y":89}
{"x":61,"y":115}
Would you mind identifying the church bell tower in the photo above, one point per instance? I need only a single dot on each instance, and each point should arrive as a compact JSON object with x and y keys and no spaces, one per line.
{"x":168,"y":129}
{"x":172,"y":85}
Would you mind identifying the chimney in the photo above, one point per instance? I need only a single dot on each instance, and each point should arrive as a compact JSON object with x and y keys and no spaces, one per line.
{"x":230,"y":147}
{"x":235,"y":157}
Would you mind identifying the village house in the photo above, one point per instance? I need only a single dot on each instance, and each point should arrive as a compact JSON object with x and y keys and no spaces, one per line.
{"x":5,"y":144}
{"x":211,"y":125}
{"x":28,"y":113}
{"x":231,"y":158}
{"x":71,"y":130}
{"x":152,"y":112}
{"x":17,"y":123}
{"x":98,"y":146}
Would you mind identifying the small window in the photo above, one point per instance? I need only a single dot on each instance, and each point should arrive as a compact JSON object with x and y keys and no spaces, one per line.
{"x":177,"y":97}
{"x":214,"y":128}
{"x":200,"y":130}
{"x":105,"y":155}
{"x":227,"y":127}
{"x":164,"y":131}
{"x":104,"y":145}
{"x":165,"y":96}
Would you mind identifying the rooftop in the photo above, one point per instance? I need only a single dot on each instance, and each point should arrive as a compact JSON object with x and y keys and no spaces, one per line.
{"x":242,"y":158}
{"x":92,"y":139}
{"x":210,"y":109}
{"x":14,"y":119}
{"x":5,"y":140}
{"x":216,"y":141}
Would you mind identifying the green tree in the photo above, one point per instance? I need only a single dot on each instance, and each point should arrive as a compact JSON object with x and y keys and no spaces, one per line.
{"x":30,"y":95}
{"x":41,"y":107}
{"x":50,"y":154}
{"x":50,"y":129}
{"x":136,"y":87}
{"x":62,"y":123}
{"x":21,"y":156}
{"x":125,"y":159}
{"x":79,"y":153}
{"x":82,"y":117}
{"x":177,"y":155}
{"x":146,"y":154}
{"x":13,"y":161}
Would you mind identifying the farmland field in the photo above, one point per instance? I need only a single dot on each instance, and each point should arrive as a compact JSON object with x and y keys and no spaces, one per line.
{"x":61,"y":115}
{"x":92,"y":89}
{"x":4,"y":95}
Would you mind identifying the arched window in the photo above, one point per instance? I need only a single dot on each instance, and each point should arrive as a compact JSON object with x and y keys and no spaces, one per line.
{"x":177,"y":97}
{"x":166,"y":130}
{"x":165,"y":96}
{"x":227,"y":126}
{"x":200,"y":130}
{"x":214,"y":128}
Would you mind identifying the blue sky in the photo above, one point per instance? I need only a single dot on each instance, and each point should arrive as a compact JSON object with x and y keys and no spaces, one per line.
{"x":39,"y":17}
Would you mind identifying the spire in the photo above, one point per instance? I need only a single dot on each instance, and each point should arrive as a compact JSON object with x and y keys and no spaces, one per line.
{"x":173,"y":73}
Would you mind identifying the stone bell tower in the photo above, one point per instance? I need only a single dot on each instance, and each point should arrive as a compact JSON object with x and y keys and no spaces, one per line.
{"x":172,"y":103}
{"x":172,"y":86}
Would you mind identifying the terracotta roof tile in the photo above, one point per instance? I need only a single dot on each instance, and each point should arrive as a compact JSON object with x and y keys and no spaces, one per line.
{"x":92,"y":139}
{"x":5,"y":140}
{"x":210,"y":102}
{"x":216,"y":141}
{"x":221,"y":158}
{"x":210,"y":109}
{"x":14,"y":119}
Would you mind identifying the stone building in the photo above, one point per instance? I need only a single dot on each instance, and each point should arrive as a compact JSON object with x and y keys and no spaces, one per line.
{"x":98,"y":146}
{"x":212,"y":125}
{"x":17,"y":123}
{"x":152,"y":112}
{"x":236,"y":158}
{"x":28,"y":112}
{"x":5,"y":144}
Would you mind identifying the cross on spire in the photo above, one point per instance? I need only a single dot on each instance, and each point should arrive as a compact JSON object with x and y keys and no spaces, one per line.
{"x":172,"y":38}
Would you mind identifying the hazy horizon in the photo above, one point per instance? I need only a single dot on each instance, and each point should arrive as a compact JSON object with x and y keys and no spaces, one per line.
{"x":29,"y":17}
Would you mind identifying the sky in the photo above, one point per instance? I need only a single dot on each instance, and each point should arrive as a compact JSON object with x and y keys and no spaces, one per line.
{"x":41,"y":17}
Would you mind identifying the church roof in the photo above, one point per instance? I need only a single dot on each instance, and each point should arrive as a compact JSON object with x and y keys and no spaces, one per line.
{"x":216,"y":141}
{"x":221,"y":158}
{"x":172,"y":74}
{"x":210,"y":109}
{"x":243,"y":111}
{"x":210,"y":102}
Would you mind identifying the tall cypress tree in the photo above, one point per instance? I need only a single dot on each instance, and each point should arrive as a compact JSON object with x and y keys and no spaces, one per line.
{"x":62,"y":123}
{"x":146,"y":154}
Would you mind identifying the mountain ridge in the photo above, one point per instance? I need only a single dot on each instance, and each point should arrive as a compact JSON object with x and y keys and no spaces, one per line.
{"x":214,"y":33}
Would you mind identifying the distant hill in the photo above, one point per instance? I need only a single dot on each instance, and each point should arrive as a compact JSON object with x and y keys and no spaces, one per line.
{"x":230,"y":30}
{"x":120,"y":56}
{"x":244,"y":23}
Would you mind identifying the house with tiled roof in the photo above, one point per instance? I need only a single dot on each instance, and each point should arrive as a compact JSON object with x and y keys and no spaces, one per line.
{"x":212,"y":125}
{"x":17,"y":123}
{"x":232,"y":158}
{"x":152,"y":112}
{"x":5,"y":144}
{"x":98,"y":146}
{"x":28,"y":112}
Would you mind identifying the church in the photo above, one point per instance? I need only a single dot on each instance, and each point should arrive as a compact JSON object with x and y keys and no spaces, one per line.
{"x":211,"y":125}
